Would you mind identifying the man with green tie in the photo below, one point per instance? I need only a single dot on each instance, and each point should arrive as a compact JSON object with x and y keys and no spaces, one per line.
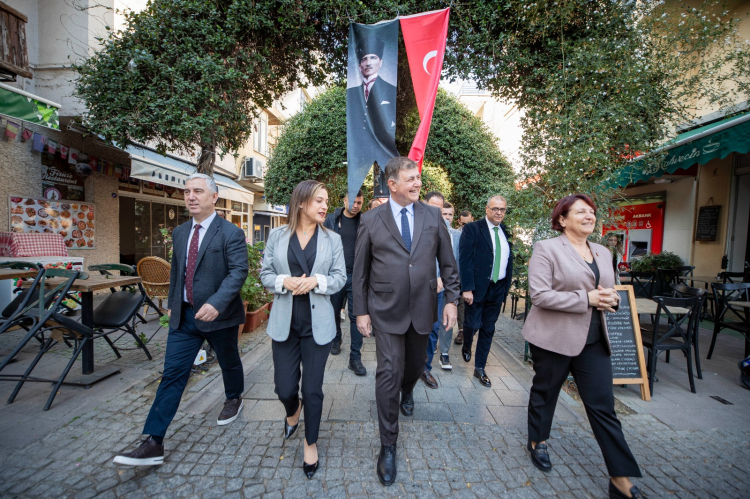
{"x":486,"y":270}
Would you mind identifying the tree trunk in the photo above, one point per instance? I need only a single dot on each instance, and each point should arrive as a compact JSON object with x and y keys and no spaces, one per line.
{"x":207,"y":159}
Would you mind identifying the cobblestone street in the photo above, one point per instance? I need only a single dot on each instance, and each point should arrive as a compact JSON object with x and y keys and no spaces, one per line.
{"x":464,"y":441}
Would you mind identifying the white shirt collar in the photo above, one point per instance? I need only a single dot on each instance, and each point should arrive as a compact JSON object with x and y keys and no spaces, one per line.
{"x":206,"y":223}
{"x":396,"y":208}
{"x":490,"y":224}
{"x":368,"y":80}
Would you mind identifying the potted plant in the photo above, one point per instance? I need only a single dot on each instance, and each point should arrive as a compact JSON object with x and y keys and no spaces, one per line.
{"x":254,"y":295}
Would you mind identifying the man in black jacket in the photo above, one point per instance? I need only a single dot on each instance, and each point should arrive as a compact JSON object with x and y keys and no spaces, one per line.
{"x":486,"y":267}
{"x":345,"y":222}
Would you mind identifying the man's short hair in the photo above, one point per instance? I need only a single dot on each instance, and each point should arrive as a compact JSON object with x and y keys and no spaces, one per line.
{"x":396,"y":165}
{"x":447,"y":205}
{"x":359,"y":194}
{"x":496,"y":196}
{"x":209,"y":181}
{"x":370,"y":45}
{"x":464,"y":213}
{"x":433,"y":194}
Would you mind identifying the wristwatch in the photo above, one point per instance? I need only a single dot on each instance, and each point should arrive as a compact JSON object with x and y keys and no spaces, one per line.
{"x":456,"y":301}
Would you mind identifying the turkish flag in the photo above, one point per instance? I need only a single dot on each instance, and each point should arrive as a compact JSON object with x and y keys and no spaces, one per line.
{"x":425,"y":37}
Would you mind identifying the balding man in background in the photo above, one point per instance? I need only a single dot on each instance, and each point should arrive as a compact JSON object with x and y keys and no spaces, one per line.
{"x":486,"y":267}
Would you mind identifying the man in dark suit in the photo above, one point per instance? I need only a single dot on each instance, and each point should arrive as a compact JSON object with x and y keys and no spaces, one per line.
{"x":371,"y":106}
{"x":209,"y":266}
{"x":486,"y":265}
{"x":395,"y":294}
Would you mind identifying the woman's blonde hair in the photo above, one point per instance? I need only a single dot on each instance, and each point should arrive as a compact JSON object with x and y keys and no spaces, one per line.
{"x":301,"y":196}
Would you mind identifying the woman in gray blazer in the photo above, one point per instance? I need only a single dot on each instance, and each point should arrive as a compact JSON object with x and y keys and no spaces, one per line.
{"x":303,"y":265}
{"x":571,"y":286}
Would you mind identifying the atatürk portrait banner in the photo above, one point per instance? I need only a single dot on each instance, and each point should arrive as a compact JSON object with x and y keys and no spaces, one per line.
{"x":370,"y":99}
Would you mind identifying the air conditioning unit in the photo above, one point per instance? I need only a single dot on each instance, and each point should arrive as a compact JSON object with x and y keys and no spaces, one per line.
{"x":252,"y":169}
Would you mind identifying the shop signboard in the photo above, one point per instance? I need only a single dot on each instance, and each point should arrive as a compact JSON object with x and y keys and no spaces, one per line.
{"x":643,"y":229}
{"x":73,"y":220}
{"x":708,"y":223}
{"x":62,"y":180}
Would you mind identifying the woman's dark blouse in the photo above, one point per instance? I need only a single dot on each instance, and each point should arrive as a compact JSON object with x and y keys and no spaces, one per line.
{"x":301,"y":262}
{"x":595,"y":328}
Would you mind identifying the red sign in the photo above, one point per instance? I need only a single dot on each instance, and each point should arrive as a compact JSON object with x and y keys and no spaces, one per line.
{"x":643,"y":227}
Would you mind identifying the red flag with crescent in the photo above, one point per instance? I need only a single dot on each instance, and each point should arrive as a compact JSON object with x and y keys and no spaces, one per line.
{"x":425,"y":37}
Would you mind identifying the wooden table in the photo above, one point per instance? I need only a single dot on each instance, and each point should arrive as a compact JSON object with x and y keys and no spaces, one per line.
{"x":647,"y":306}
{"x":743,"y":304}
{"x":87,"y":287}
{"x":16,"y":274}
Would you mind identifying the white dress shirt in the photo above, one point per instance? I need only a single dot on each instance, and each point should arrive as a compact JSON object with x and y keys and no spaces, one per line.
{"x":396,"y":210}
{"x":505,"y":249}
{"x":201,"y":233}
{"x":365,"y":82}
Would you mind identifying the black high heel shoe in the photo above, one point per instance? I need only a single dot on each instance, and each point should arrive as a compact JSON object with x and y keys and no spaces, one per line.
{"x":310,"y":469}
{"x":289,"y":429}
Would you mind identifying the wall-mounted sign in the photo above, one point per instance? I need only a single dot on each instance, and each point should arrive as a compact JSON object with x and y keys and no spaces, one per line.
{"x":69,"y":218}
{"x":708,"y":223}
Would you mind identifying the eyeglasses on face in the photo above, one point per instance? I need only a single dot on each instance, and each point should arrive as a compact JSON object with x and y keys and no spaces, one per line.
{"x":497,"y":210}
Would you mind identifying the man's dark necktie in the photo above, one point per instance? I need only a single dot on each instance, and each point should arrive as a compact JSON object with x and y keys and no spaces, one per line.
{"x":405,"y":229}
{"x":192,"y":257}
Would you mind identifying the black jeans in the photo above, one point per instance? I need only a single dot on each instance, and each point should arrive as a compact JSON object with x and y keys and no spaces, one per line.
{"x":183,"y":345}
{"x":287,"y":357}
{"x":592,"y":371}
{"x":337,"y":300}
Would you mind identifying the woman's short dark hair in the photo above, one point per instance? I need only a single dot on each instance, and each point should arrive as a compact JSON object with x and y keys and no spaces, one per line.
{"x":563,"y":207}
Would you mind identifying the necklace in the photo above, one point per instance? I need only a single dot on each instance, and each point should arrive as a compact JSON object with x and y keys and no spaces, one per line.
{"x":585,"y":254}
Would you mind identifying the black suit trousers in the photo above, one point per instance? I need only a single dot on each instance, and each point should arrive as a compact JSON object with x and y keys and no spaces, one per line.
{"x":481,"y":317}
{"x":288,"y":356}
{"x":592,"y":371}
{"x":401,"y":361}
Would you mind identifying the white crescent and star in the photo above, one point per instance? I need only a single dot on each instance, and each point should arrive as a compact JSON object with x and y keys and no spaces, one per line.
{"x":427,"y":58}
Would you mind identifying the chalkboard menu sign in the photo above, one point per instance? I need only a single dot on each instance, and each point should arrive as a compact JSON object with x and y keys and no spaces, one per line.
{"x":708,"y":223}
{"x":628,"y":364}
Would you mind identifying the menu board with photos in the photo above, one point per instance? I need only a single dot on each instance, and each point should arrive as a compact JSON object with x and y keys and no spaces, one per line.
{"x":73,"y":220}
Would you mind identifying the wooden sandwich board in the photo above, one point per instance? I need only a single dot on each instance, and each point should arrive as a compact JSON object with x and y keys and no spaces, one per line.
{"x":628,"y":363}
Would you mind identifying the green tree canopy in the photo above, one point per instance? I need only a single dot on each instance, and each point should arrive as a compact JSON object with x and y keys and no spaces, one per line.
{"x":187,"y":73}
{"x":461,"y":158}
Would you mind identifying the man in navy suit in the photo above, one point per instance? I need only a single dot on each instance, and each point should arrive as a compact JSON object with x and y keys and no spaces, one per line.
{"x":486,"y":268}
{"x":209,"y":266}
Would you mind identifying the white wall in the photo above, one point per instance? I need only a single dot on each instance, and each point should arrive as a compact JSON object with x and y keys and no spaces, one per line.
{"x":740,"y":235}
{"x":678,"y":214}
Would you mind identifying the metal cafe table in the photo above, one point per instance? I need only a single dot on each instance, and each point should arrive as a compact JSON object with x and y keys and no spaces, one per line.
{"x":87,"y":287}
{"x":648,"y":307}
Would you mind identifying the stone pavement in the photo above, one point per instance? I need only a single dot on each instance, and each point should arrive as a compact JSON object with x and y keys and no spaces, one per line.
{"x":464,"y":440}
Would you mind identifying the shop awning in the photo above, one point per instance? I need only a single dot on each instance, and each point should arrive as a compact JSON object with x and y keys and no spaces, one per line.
{"x":29,"y":107}
{"x":700,"y":146}
{"x":151,"y":166}
{"x":270,"y":213}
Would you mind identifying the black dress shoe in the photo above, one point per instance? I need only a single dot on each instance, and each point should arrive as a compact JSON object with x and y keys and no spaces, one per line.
{"x":540,"y":456}
{"x":335,"y":348}
{"x":356,"y":366}
{"x":310,"y":469}
{"x":466,"y":355}
{"x":428,"y":379}
{"x":482,"y":377}
{"x":289,"y":429}
{"x":387,"y":464}
{"x":614,"y":492}
{"x":407,"y":404}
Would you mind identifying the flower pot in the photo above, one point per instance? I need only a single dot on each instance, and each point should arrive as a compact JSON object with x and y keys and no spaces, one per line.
{"x":255,"y":318}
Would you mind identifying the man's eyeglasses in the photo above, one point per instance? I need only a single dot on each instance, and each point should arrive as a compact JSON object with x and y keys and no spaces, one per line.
{"x":498,"y":210}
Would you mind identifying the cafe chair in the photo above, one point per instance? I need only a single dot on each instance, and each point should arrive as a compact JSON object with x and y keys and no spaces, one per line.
{"x":671,"y":331}
{"x":155,"y":272}
{"x":11,"y":314}
{"x":119,"y":310}
{"x":643,"y":283}
{"x":682,"y":290}
{"x":737,"y":320}
{"x":49,"y":320}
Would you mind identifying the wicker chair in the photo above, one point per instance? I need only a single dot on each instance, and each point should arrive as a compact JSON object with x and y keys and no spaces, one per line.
{"x":155,"y":274}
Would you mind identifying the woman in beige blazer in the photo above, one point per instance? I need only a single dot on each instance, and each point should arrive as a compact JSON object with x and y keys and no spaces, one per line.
{"x":571,"y":286}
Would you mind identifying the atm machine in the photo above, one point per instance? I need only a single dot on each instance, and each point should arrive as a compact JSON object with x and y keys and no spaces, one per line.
{"x":638,"y":243}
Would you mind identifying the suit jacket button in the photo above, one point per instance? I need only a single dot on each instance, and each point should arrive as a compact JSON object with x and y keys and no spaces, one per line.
{"x":410,"y":265}
{"x":313,"y":306}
